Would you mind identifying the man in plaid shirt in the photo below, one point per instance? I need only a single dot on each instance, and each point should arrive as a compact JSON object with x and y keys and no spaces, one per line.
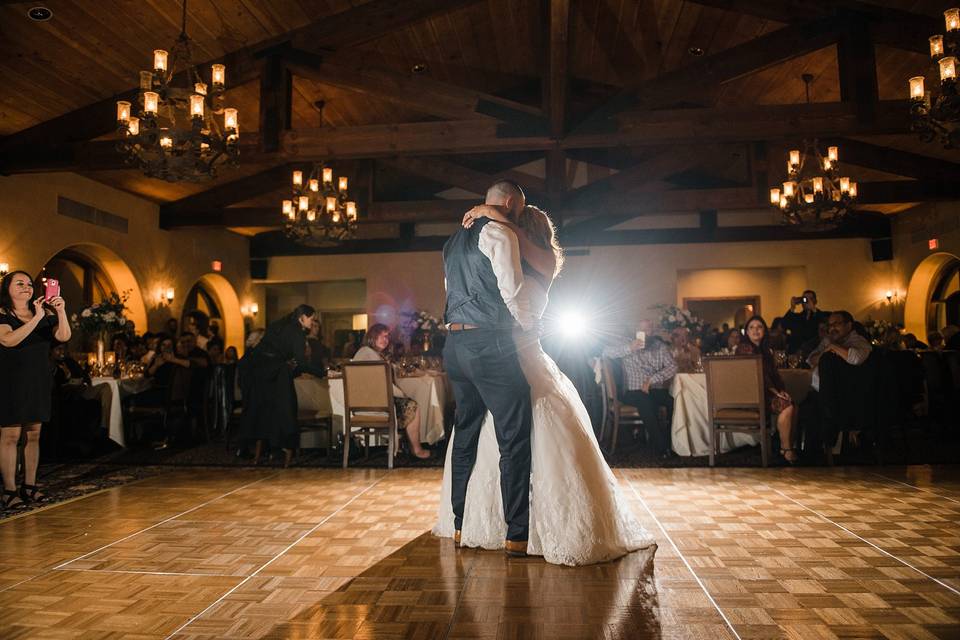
{"x":647,"y":372}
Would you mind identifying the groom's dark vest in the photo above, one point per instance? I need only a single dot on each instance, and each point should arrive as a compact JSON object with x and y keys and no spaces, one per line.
{"x":473,"y":296}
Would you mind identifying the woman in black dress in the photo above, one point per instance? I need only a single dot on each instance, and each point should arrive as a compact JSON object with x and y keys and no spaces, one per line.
{"x":27,"y":333}
{"x":266,"y":374}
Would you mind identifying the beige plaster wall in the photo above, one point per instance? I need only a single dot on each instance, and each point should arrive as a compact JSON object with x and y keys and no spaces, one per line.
{"x":32,"y":232}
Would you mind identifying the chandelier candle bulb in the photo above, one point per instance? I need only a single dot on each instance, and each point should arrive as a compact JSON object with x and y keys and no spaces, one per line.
{"x":218,"y":74}
{"x":833,"y":154}
{"x":196,"y":106}
{"x":936,"y":46}
{"x":774,"y":195}
{"x":818,"y":185}
{"x":352,"y":211}
{"x":327,"y":175}
{"x":304,"y":203}
{"x":287,"y":207}
{"x":298,"y":178}
{"x":951,"y":18}
{"x":335,"y":217}
{"x":343,"y":183}
{"x":827,"y":165}
{"x":230,"y":119}
{"x":311,"y":215}
{"x":150,"y":101}
{"x":916,"y":88}
{"x":133,"y":126}
{"x":794,"y":157}
{"x":853,"y":190}
{"x":166,"y":142}
{"x":948,"y":69}
{"x":788,"y":189}
{"x":123,"y":111}
{"x":314,"y":185}
{"x":160,"y":61}
{"x":844,"y":185}
{"x":808,"y":198}
{"x":783,"y":202}
{"x":331,"y":204}
{"x":200,"y":88}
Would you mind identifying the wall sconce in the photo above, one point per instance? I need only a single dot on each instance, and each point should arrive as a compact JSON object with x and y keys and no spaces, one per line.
{"x":168,"y":295}
{"x":244,"y":310}
{"x":889,"y":296}
{"x":4,"y":269}
{"x":254,"y":309}
{"x":217,"y":266}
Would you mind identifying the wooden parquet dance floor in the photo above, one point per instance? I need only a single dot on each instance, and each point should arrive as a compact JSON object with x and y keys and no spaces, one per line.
{"x":257,"y":553}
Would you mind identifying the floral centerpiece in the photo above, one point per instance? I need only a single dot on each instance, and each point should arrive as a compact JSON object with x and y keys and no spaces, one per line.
{"x":673,"y":317}
{"x":101,"y":319}
{"x":423,"y":328}
{"x":877,"y":329}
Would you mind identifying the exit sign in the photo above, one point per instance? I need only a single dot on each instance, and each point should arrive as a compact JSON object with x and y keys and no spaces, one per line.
{"x":933,"y":243}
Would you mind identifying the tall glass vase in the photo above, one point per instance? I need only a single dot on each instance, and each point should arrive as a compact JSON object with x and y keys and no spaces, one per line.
{"x":101,"y":349}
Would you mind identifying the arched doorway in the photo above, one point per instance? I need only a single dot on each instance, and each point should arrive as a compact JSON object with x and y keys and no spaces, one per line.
{"x":89,"y":272}
{"x":933,"y":296}
{"x":215,"y":296}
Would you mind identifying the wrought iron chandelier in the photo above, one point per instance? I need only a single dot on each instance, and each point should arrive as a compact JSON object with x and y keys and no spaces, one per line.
{"x":938,"y":116}
{"x":319,"y":212}
{"x":814,"y":196}
{"x":175,"y":135}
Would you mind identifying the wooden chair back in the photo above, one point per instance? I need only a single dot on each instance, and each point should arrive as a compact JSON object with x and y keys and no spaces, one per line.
{"x":368,"y":404}
{"x":736,"y":401}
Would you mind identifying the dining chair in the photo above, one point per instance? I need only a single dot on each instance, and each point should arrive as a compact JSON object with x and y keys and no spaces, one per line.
{"x":616,"y":413}
{"x":368,"y":406}
{"x":735,"y":400}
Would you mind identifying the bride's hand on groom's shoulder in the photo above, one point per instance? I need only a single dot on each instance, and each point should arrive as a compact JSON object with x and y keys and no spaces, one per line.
{"x":483,"y":211}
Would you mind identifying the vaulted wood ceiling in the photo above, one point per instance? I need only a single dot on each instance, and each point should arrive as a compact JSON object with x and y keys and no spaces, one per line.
{"x":605,"y":109}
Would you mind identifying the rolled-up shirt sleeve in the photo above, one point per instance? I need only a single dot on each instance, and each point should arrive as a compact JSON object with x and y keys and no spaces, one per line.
{"x":501,"y":247}
{"x":616,"y":351}
{"x":858,"y":350}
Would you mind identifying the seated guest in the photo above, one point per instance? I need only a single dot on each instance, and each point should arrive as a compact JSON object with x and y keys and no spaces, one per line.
{"x":121,"y":348}
{"x":648,"y":368}
{"x":733,"y":340}
{"x":911,"y":343}
{"x":936,"y":341}
{"x":684,"y":352}
{"x":835,"y":379}
{"x":375,"y":343}
{"x":777,"y":337}
{"x":318,"y":355}
{"x":779,"y":402}
{"x":169,"y":361}
{"x":230,"y":355}
{"x":801,"y":325}
{"x":72,"y":383}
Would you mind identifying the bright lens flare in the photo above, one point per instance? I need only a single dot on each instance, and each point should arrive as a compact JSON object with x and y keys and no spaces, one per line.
{"x":572,"y":324}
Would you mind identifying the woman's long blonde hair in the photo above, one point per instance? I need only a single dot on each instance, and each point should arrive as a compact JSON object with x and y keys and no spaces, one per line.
{"x":540,"y":230}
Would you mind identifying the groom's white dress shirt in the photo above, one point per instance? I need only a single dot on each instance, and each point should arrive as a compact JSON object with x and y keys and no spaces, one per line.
{"x":502,"y":248}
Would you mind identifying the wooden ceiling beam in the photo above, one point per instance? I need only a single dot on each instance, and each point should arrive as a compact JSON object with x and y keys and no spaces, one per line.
{"x":857,"y":62}
{"x":457,"y":175}
{"x":229,"y":193}
{"x":558,"y":63}
{"x":276,"y":102}
{"x":895,"y":161}
{"x":693,"y":80}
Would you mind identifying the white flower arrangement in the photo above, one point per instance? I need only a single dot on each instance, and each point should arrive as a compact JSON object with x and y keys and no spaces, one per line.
{"x":102,"y":317}
{"x":673,"y":317}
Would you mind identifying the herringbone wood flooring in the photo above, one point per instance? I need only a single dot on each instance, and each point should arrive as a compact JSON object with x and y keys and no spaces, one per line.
{"x":742,"y":553}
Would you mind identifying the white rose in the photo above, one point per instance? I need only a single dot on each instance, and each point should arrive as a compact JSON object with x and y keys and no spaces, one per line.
{"x":85,"y":313}
{"x":123,"y":321}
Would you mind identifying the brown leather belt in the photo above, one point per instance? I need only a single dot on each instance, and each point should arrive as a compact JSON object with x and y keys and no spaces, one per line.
{"x":460,"y":326}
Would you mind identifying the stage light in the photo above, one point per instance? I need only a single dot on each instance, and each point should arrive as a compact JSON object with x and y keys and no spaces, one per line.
{"x":572,"y":324}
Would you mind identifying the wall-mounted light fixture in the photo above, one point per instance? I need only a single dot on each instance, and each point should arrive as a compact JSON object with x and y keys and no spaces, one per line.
{"x":4,"y":269}
{"x":169,"y":295}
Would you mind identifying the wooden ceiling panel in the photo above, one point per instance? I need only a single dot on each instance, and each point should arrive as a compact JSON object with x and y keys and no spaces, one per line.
{"x":782,"y":83}
{"x":343,"y":107}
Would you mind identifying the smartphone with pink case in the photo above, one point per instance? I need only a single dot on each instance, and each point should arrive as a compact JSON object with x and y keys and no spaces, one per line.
{"x":51,"y":290}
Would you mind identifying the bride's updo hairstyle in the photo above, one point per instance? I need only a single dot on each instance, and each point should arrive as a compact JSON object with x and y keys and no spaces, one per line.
{"x":539,"y":228}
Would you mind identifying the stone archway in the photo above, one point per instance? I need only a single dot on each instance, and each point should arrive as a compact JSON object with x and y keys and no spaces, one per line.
{"x":923,"y":284}
{"x":118,"y":273}
{"x":231,"y":327}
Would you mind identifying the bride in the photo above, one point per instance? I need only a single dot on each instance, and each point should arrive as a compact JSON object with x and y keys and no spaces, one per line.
{"x":577,"y":513}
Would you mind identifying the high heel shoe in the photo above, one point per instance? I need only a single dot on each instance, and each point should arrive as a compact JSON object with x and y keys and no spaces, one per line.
{"x":783,"y":452}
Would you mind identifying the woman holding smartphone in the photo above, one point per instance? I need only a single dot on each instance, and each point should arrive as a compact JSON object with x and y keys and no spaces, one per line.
{"x":29,"y":327}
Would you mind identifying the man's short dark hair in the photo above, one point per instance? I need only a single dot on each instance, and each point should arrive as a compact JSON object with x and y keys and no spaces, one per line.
{"x":846,"y":315}
{"x":813,"y":294}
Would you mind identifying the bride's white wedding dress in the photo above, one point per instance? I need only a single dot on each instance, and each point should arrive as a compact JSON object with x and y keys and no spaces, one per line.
{"x":577,"y":513}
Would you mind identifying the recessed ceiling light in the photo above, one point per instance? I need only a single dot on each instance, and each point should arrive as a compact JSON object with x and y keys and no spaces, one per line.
{"x":419,"y":68}
{"x":695,"y":51}
{"x":39,"y":14}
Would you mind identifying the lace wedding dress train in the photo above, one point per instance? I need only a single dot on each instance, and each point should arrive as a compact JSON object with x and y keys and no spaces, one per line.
{"x":577,"y":512}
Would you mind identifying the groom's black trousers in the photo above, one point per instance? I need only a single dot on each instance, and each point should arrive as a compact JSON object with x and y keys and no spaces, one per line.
{"x":485,"y":374}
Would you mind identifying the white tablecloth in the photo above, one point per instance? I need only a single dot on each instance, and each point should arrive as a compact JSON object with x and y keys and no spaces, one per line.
{"x":116,"y":413}
{"x":690,"y":431}
{"x":430,"y":392}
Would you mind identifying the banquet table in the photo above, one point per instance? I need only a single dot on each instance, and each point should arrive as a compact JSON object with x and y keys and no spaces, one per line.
{"x":119,"y":389}
{"x":690,"y":429}
{"x":430,"y":390}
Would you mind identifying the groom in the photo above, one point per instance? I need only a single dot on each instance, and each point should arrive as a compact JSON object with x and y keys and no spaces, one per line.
{"x":485,"y":301}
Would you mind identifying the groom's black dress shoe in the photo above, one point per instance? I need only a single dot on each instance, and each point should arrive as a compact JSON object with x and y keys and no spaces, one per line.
{"x":516,"y":548}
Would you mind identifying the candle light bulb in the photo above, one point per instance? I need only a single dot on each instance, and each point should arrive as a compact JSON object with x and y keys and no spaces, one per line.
{"x":936,"y":46}
{"x":311,"y":215}
{"x":783,"y":202}
{"x":123,"y":111}
{"x":774,"y":195}
{"x":327,"y":175}
{"x":335,"y":216}
{"x":160,"y":60}
{"x":853,"y":190}
{"x":287,"y":207}
{"x":844,"y":185}
{"x":331,"y":204}
{"x":343,"y":183}
{"x":833,"y":153}
{"x":230,"y":119}
{"x":254,"y":308}
{"x":151,"y":99}
{"x":916,"y":88}
{"x":169,"y":295}
{"x":196,"y":106}
{"x":951,"y":18}
{"x":808,"y":198}
{"x":166,"y":142}
{"x":218,"y":75}
{"x":352,"y":211}
{"x":788,"y":189}
{"x":297,"y":178}
{"x":133,"y":126}
{"x":827,"y":165}
{"x":795,"y":157}
{"x":818,"y":185}
{"x":304,"y":203}
{"x":948,"y":68}
{"x":314,"y":185}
